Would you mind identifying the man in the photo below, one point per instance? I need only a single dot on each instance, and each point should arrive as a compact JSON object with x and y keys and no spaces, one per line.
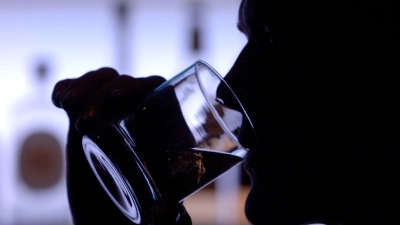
{"x":318,"y":80}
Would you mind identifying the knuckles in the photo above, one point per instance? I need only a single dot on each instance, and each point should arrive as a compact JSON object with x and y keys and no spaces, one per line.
{"x":101,"y":96}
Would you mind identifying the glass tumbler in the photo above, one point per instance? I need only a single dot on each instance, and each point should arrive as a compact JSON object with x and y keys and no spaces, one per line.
{"x":188,"y":132}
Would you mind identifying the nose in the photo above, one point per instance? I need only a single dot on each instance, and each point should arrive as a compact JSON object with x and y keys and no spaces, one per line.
{"x":251,"y":80}
{"x":227,"y":97}
{"x":249,"y":74}
{"x":238,"y":75}
{"x":247,"y":136}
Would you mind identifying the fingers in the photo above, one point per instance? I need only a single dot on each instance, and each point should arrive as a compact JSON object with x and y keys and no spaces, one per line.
{"x":59,"y":91}
{"x":102,"y":96}
{"x":115,"y":100}
{"x":71,"y":94}
{"x":127,"y":92}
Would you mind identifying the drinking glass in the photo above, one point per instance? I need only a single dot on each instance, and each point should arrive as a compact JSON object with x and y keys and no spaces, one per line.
{"x":188,"y":132}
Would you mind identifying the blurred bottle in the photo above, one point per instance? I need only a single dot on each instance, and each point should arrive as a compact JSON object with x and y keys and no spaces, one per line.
{"x":38,"y":131}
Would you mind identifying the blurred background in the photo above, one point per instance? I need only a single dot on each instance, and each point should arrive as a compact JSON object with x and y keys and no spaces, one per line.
{"x":43,"y":41}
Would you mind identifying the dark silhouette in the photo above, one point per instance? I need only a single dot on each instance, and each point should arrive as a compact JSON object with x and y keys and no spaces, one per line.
{"x":319,"y":81}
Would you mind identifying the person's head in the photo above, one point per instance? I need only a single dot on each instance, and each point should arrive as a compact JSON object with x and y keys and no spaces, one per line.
{"x":299,"y":79}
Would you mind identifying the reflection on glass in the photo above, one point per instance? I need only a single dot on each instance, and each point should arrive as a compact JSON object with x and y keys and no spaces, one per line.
{"x":182,"y":137}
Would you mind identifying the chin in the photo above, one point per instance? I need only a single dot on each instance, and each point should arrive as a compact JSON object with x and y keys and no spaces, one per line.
{"x":255,"y":206}
{"x":255,"y":210}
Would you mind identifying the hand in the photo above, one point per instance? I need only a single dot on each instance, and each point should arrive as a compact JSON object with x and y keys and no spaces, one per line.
{"x":92,"y":101}
{"x":101,"y":97}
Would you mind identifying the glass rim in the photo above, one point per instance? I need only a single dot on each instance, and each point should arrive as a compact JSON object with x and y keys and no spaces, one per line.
{"x":227,"y":85}
{"x":194,"y":66}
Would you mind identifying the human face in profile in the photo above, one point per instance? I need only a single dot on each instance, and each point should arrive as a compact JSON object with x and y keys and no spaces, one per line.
{"x":247,"y":79}
{"x":259,"y":79}
{"x":294,"y":174}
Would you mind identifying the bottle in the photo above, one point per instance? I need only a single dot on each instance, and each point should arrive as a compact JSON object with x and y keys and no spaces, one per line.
{"x":37,"y":153}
